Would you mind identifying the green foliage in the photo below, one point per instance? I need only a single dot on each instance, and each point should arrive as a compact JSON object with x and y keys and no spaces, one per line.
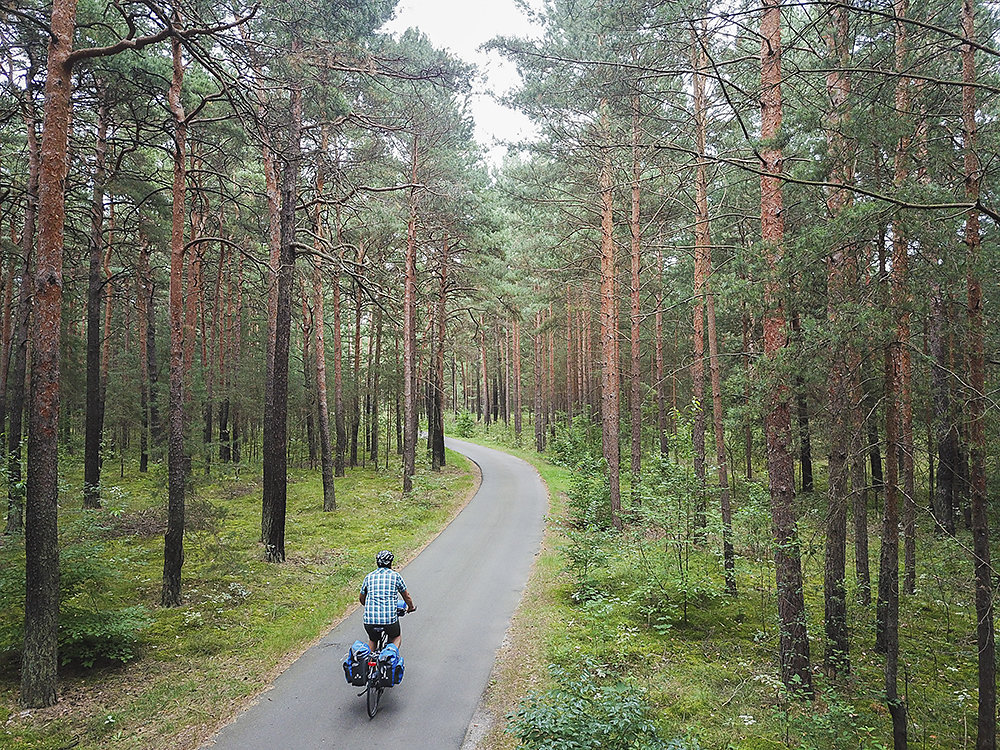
{"x":87,"y":637}
{"x":582,"y":711}
{"x":93,"y":627}
{"x":589,"y":495}
{"x":574,"y":444}
{"x":464,"y":424}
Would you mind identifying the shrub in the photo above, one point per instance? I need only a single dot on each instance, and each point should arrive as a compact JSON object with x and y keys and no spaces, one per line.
{"x":589,"y":495}
{"x":92,"y":628}
{"x":578,"y":443}
{"x":87,"y":637}
{"x":580,"y":712}
{"x":464,"y":424}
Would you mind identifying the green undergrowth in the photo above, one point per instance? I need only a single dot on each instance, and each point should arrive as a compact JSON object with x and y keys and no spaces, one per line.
{"x":162,"y":678}
{"x":640,"y":619}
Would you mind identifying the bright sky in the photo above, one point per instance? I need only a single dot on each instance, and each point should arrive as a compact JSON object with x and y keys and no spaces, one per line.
{"x":461,"y":26}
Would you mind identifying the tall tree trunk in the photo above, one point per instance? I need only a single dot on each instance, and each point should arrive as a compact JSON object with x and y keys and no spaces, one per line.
{"x":887,"y":606}
{"x":571,"y":396}
{"x":225,"y":322}
{"x":437,"y":449}
{"x":275,"y":447}
{"x":142,"y":310}
{"x":747,"y":329}
{"x":326,"y":445}
{"x":794,"y":642}
{"x":376,"y":369}
{"x":41,"y":543}
{"x":109,"y":297}
{"x":701,"y":243}
{"x":173,"y":548}
{"x":985,"y":637}
{"x":802,"y":414}
{"x":6,"y":325}
{"x":945,"y":430}
{"x":517,"y":374}
{"x":635,"y":371}
{"x":839,"y":291}
{"x":94,"y":430}
{"x":319,"y":333}
{"x":901,"y":311}
{"x":874,"y":443}
{"x":610,"y":406}
{"x":308,"y":372}
{"x":485,"y":378}
{"x":659,"y":374}
{"x":704,"y":245}
{"x":410,"y":335}
{"x":356,"y":391}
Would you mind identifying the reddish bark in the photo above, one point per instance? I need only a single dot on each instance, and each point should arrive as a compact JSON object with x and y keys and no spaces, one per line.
{"x":538,"y":390}
{"x":635,"y":372}
{"x":355,"y":392}
{"x":41,"y":541}
{"x":485,"y":401}
{"x":173,"y":552}
{"x":410,"y":335}
{"x":340,"y":426}
{"x":794,"y":642}
{"x":517,"y":374}
{"x":610,"y":407}
{"x":376,"y":370}
{"x":702,"y":240}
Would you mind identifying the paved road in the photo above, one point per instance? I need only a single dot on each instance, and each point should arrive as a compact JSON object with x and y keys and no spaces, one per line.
{"x":465,"y":584}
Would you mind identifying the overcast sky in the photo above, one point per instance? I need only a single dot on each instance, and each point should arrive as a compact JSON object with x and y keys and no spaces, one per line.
{"x":461,"y":26}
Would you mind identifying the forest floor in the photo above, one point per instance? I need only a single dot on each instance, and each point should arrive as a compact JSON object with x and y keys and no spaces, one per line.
{"x":187,"y":669}
{"x":642,"y":619}
{"x":638,"y":619}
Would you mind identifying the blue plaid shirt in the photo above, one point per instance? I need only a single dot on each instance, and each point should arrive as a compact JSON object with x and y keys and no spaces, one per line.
{"x":380,"y":588}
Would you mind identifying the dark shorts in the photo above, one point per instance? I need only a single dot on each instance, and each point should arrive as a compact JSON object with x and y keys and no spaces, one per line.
{"x":391,"y":631}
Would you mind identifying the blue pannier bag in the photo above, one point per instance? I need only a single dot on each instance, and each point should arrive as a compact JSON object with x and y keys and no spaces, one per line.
{"x":390,"y":666}
{"x":356,"y":664}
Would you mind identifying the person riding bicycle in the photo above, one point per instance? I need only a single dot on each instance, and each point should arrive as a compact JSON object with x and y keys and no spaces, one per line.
{"x":378,"y":595}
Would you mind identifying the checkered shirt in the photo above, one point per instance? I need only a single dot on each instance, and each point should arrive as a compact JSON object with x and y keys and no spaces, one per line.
{"x":380,"y":587}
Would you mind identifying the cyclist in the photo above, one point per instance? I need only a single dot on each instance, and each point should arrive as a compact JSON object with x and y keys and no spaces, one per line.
{"x":378,"y":595}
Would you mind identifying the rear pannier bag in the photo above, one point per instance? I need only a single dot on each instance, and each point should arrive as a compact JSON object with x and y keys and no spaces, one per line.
{"x":356,"y":664}
{"x":390,"y":666}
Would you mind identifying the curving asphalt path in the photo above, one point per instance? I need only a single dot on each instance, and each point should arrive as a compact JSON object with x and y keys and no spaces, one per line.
{"x":466,"y":585}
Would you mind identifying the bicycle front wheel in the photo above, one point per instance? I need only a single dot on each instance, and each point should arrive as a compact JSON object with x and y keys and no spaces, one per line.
{"x":372,"y":698}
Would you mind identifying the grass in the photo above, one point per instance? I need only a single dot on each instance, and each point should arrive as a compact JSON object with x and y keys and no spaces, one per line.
{"x":711,"y":677}
{"x":242,"y":619}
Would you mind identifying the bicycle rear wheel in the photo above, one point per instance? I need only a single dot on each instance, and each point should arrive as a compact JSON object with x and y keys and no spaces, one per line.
{"x":374,"y":694}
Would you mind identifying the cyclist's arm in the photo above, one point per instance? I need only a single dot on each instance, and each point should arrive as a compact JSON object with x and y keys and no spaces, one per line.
{"x":410,"y":606}
{"x":364,"y":592}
